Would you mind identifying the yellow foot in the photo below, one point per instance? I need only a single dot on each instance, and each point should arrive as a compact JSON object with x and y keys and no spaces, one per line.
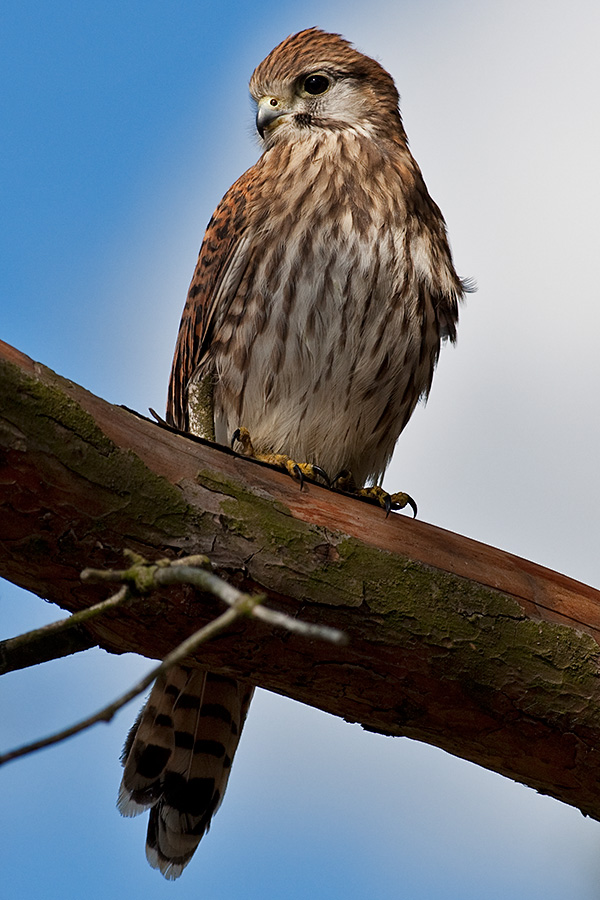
{"x":375,"y":494}
{"x":300,"y":471}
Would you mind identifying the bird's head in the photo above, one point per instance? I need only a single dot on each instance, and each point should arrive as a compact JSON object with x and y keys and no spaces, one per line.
{"x":315,"y":80}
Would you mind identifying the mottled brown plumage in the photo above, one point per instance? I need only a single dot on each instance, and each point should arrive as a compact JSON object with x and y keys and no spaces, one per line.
{"x":322,"y":292}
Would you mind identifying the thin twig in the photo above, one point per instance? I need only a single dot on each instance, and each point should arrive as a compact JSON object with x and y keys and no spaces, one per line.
{"x":208,"y":581}
{"x":141,"y":577}
{"x":192,"y":570}
{"x":107,"y":712}
{"x":306,"y":629}
{"x":78,"y":618}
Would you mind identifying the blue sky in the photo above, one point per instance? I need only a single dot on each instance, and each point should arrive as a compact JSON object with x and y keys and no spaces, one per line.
{"x":123,"y":124}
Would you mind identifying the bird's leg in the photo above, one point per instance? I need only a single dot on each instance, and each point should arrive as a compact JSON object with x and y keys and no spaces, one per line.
{"x":375,"y":494}
{"x":297,"y":470}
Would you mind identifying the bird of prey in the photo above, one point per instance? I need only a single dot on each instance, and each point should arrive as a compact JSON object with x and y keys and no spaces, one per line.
{"x":323,"y":290}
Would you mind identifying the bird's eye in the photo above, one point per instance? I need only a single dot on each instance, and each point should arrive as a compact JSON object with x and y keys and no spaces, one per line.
{"x":316,"y":84}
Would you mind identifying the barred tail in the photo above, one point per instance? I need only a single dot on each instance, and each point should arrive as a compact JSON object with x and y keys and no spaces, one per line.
{"x":177,"y":760}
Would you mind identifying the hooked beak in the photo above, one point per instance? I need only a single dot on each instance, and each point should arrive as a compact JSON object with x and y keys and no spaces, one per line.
{"x":269,"y":110}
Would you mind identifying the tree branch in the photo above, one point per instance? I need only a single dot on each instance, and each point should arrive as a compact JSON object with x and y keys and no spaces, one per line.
{"x":451,"y":642}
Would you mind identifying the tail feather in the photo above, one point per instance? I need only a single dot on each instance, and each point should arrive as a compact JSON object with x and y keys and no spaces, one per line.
{"x":177,"y":760}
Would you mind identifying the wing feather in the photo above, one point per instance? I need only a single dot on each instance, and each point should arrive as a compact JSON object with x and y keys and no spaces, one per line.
{"x":219,"y":270}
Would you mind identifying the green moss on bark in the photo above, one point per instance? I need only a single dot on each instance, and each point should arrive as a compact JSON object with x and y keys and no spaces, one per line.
{"x":64,"y":430}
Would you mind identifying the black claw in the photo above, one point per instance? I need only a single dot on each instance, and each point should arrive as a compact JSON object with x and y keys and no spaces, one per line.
{"x":299,"y":474}
{"x":322,"y":474}
{"x":235,"y":437}
{"x":158,"y":418}
{"x":387,"y":505}
{"x":408,"y":502}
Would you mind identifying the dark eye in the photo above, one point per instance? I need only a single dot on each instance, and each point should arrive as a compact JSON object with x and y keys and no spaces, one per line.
{"x":316,"y":84}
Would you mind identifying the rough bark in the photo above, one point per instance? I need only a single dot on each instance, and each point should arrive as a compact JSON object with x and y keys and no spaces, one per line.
{"x":452,"y":642}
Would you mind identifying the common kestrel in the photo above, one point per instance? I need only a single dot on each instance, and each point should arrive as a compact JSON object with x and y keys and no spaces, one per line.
{"x":322,"y":292}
